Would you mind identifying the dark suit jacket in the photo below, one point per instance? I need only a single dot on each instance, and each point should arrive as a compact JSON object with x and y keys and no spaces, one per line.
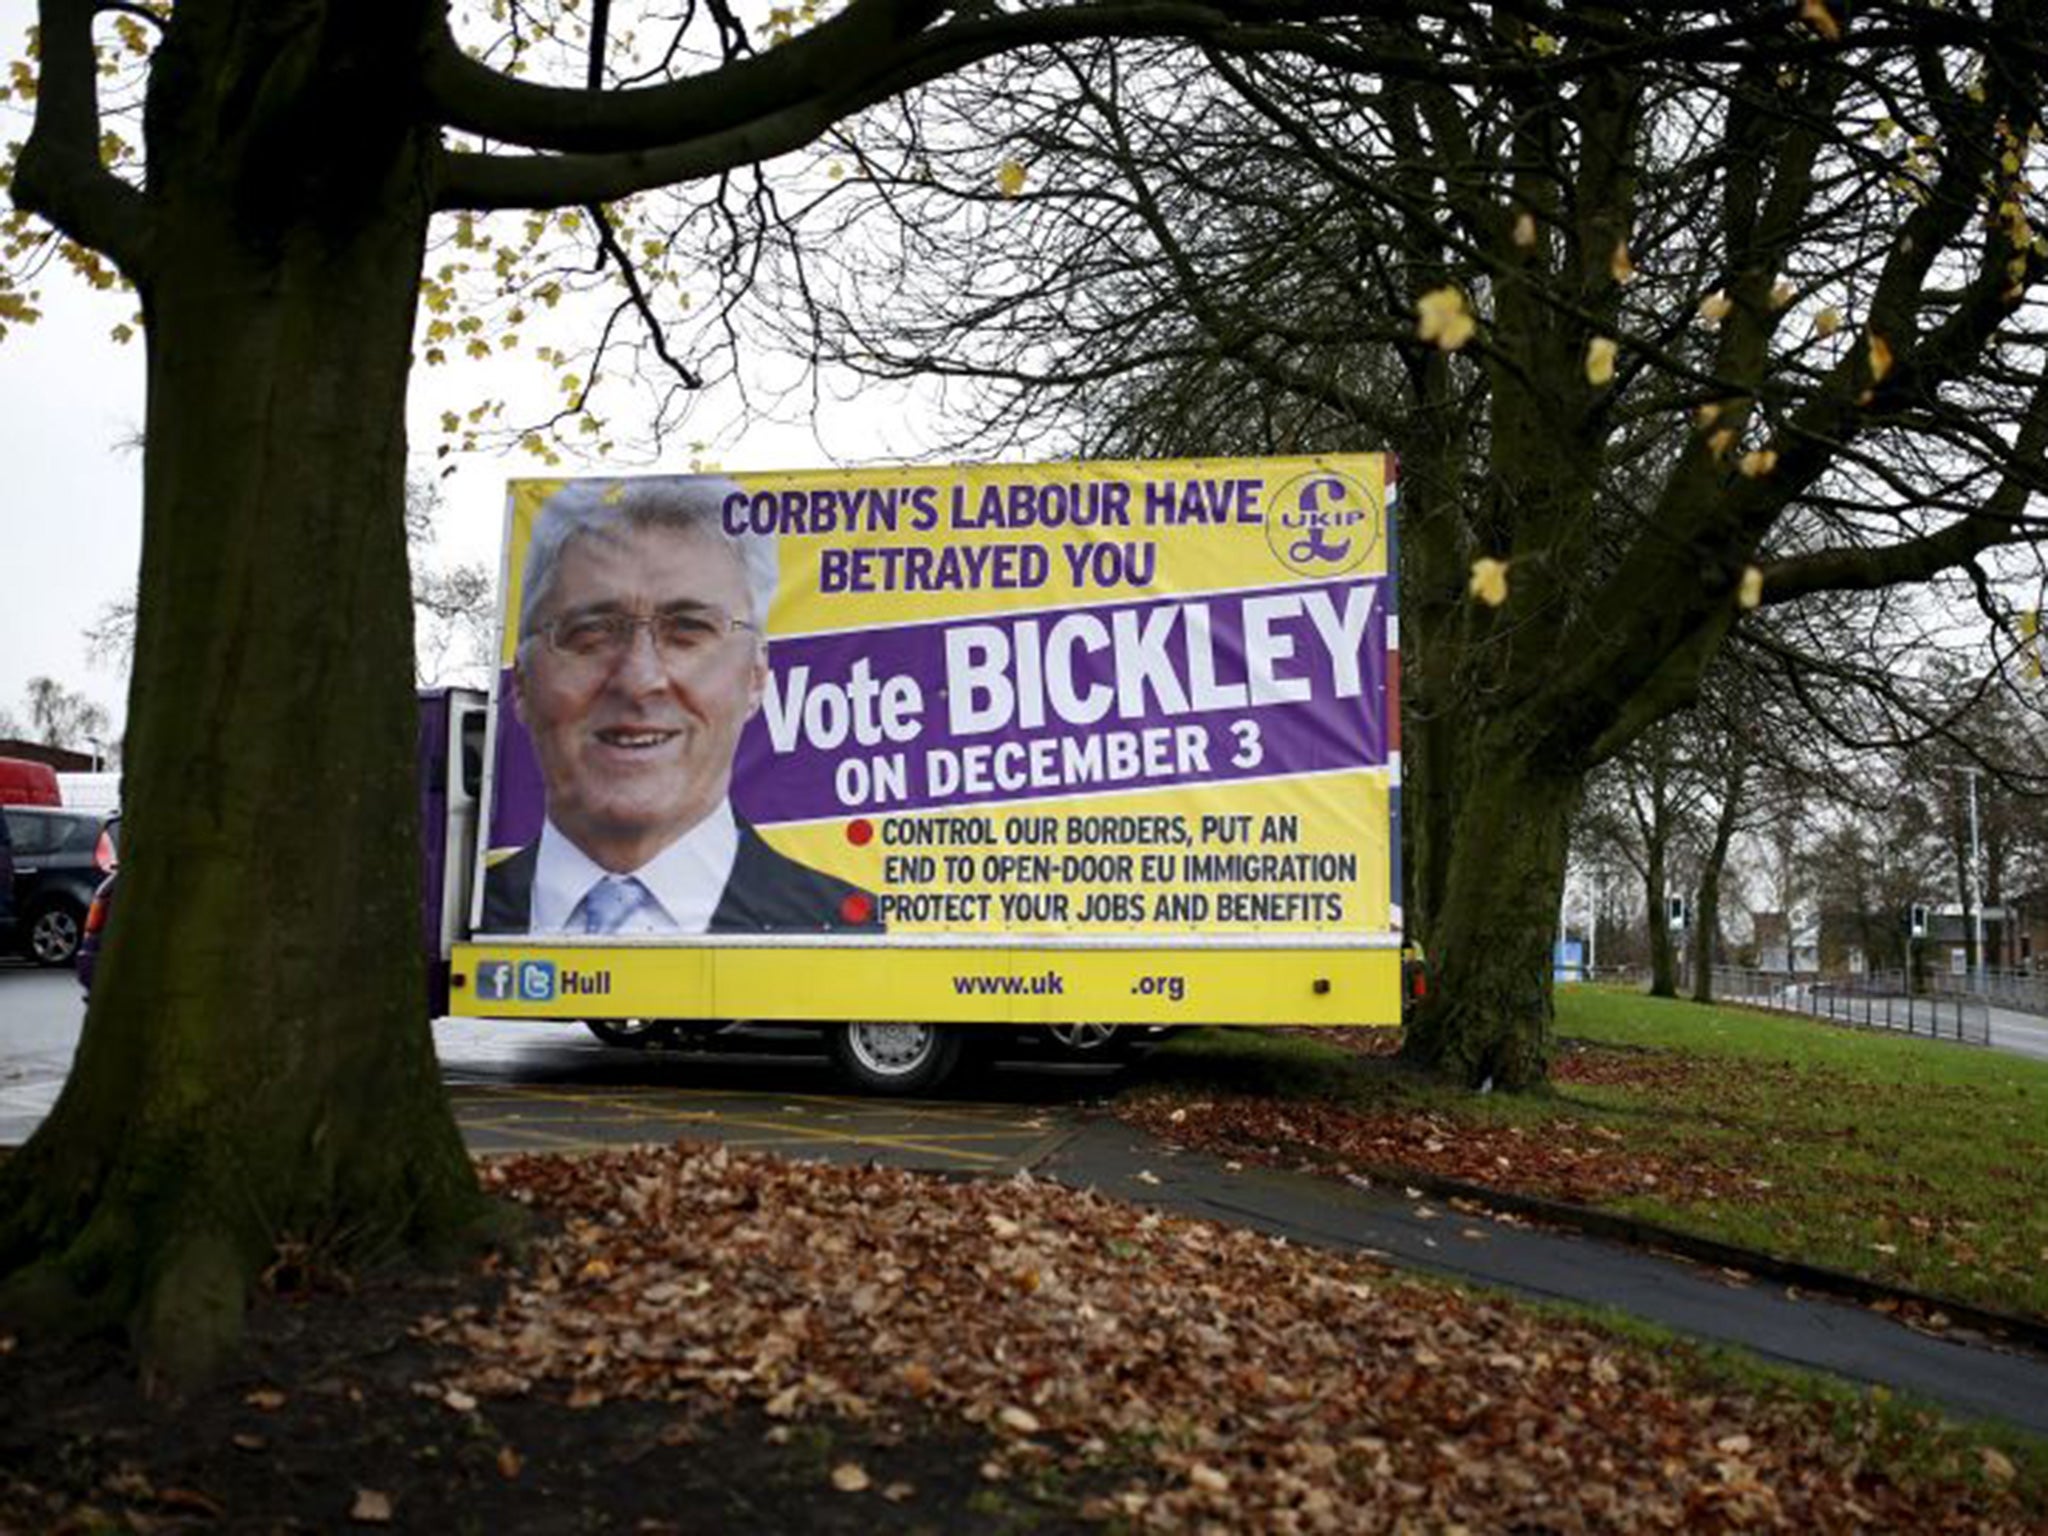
{"x":766,"y":893}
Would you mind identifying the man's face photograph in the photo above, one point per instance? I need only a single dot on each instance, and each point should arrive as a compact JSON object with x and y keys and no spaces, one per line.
{"x":636,"y":733}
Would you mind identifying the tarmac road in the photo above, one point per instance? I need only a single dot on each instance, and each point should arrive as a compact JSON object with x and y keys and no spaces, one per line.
{"x":532,"y":1086}
{"x":40,"y":1015}
{"x":2024,"y":1034}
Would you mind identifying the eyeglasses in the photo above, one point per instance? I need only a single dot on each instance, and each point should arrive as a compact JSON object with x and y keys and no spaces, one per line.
{"x":677,"y":633}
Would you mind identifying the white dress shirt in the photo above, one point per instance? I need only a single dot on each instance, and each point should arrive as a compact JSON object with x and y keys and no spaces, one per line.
{"x":684,"y":882}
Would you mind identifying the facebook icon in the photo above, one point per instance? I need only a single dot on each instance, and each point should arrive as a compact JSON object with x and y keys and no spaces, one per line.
{"x":494,"y":981}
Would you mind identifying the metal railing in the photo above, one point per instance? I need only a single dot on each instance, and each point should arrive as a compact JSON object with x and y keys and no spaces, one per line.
{"x":2002,"y":989}
{"x":2014,"y":990}
{"x":1875,"y":1002}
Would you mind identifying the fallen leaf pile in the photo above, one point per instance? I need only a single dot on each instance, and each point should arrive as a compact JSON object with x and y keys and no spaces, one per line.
{"x":1192,"y":1376}
{"x":1643,"y":1071}
{"x":1560,"y":1160}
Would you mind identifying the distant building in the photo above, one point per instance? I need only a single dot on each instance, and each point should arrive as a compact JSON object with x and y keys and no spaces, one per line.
{"x":63,"y":759}
{"x":1947,"y":945}
{"x":1787,"y":944}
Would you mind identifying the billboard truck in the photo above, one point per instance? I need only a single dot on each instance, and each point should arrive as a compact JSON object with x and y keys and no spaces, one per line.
{"x":912,"y":755}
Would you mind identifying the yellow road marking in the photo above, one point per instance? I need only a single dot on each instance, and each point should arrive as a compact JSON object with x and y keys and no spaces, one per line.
{"x":570,"y":1143}
{"x":643,"y":1102}
{"x":859,"y":1106}
{"x":778,"y":1132}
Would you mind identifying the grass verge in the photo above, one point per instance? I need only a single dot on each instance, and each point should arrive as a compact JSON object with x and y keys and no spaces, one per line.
{"x":1910,"y":1162}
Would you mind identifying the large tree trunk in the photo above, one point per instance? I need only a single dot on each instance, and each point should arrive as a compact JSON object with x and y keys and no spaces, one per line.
{"x":256,"y":1068}
{"x":1488,"y":1015}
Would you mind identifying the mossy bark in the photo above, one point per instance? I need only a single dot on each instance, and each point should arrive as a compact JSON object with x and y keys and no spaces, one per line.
{"x":1487,"y":1019}
{"x":256,"y":1066}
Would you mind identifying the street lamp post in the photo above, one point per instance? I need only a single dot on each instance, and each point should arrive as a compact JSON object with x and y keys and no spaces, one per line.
{"x":1976,"y":882}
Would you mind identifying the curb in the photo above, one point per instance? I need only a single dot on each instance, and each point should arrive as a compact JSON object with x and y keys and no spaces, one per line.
{"x":1636,"y":1232}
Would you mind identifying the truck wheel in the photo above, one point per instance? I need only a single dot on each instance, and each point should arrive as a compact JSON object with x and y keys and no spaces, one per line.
{"x":1091,"y":1042}
{"x":53,"y":934}
{"x":633,"y":1034}
{"x":894,"y":1058}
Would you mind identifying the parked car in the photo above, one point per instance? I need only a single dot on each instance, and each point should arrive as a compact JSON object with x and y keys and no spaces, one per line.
{"x":95,"y":932}
{"x":60,"y":858}
{"x":6,"y":876}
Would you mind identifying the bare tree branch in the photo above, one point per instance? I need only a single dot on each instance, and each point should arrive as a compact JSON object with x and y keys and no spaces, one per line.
{"x":60,"y":174}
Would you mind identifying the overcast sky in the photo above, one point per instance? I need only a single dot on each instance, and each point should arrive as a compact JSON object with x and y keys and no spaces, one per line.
{"x":71,"y":533}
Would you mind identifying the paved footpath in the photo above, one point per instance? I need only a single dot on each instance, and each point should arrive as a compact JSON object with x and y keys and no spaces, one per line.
{"x":1970,"y":1379}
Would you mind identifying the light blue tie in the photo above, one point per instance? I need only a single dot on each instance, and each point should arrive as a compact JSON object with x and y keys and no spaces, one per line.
{"x":607,"y":904}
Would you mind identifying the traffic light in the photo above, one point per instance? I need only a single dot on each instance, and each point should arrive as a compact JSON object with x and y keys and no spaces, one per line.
{"x":1916,"y":921}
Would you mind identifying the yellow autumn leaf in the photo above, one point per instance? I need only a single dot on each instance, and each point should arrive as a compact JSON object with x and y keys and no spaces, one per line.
{"x":1816,"y":15}
{"x":371,"y":1507}
{"x":1715,"y":306}
{"x":1707,"y":414}
{"x":1880,"y":357}
{"x":1010,"y":179}
{"x":1525,"y":229}
{"x":1543,"y":43}
{"x":1781,"y":294}
{"x":1759,"y":462}
{"x":1751,"y":591}
{"x":450,"y":422}
{"x":1490,"y":581}
{"x":1442,"y":316}
{"x":850,"y":1477}
{"x":1721,"y":441}
{"x":1619,"y":267}
{"x":1998,"y":1466}
{"x":1600,"y":361}
{"x":1827,"y":322}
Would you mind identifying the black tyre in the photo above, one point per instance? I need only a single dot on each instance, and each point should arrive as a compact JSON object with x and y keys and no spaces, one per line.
{"x":894,"y":1059}
{"x":632,"y":1034}
{"x":54,"y":932}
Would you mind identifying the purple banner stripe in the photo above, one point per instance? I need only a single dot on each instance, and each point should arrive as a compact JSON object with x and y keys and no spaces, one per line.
{"x":1204,"y":688}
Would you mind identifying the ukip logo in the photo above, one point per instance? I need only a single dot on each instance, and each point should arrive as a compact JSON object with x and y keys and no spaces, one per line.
{"x":1322,"y":524}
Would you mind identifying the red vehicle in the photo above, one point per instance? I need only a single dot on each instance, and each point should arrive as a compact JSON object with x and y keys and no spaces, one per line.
{"x":25,"y":783}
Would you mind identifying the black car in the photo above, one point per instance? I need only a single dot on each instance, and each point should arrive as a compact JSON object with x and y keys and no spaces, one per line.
{"x":60,"y":857}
